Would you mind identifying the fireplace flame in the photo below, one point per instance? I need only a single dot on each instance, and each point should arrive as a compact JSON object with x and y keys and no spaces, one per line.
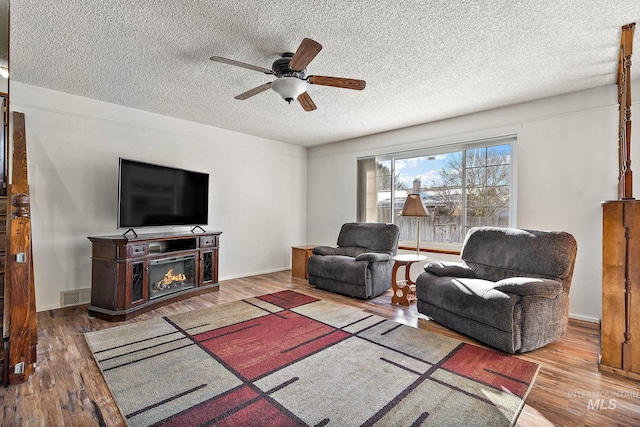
{"x":170,"y":278}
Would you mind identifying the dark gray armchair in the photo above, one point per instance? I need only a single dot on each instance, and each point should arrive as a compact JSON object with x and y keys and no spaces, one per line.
{"x":511,"y":291}
{"x":361,"y":264}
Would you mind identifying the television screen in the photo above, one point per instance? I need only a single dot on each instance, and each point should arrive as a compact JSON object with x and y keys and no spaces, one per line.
{"x":153,"y":195}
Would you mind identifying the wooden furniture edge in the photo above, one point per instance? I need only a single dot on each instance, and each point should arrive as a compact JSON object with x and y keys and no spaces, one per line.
{"x":610,"y":369}
{"x":121,"y":315}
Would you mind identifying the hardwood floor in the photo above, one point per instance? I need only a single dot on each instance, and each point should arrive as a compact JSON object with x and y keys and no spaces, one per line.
{"x":67,"y":388}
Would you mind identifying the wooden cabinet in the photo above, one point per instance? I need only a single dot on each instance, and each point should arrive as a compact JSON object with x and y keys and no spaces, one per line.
{"x":132,"y":275}
{"x":208,"y":260}
{"x":299,"y":257}
{"x":620,"y":329}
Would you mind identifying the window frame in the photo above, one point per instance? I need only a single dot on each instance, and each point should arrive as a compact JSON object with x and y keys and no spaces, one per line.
{"x":509,"y":139}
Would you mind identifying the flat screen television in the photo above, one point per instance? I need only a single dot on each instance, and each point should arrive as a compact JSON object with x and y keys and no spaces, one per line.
{"x":152,"y":195}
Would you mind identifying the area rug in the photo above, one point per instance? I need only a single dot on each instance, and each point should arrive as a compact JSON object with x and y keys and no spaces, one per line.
{"x":288,"y":359}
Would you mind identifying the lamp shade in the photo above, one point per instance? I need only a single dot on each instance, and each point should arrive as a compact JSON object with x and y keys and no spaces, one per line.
{"x":289,"y":88}
{"x":414,"y":206}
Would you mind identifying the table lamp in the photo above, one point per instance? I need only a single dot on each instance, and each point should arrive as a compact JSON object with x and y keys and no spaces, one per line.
{"x":414,"y":206}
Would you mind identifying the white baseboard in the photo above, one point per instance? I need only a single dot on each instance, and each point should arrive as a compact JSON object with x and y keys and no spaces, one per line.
{"x":584,"y":318}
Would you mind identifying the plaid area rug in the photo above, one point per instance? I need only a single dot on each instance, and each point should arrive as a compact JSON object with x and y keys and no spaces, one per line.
{"x":288,"y":359}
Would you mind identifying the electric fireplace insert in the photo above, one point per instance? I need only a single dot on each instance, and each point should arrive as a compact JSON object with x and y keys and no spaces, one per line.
{"x":170,"y":275}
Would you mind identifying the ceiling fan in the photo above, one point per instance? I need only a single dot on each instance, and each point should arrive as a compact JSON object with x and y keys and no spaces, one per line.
{"x":292,"y":80}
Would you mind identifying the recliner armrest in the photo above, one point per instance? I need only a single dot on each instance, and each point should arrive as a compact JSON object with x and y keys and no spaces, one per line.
{"x":327,"y":250}
{"x":449,"y":269}
{"x":528,"y":286}
{"x":373,"y":257}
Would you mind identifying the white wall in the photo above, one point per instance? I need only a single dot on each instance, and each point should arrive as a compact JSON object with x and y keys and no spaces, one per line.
{"x":566,"y":165}
{"x":257,"y":186}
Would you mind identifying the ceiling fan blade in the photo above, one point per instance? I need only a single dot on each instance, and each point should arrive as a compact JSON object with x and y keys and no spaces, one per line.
{"x":307,"y":50}
{"x":254,"y":91}
{"x":240,"y":64}
{"x":305,"y":100}
{"x":337,"y":82}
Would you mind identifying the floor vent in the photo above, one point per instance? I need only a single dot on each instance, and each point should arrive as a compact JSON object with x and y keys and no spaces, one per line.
{"x":75,"y":297}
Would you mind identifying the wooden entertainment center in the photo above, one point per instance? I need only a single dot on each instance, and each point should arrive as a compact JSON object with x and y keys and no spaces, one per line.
{"x":131,"y":275}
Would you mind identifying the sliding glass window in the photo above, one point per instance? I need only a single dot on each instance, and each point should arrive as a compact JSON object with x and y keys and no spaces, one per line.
{"x":462,"y":186}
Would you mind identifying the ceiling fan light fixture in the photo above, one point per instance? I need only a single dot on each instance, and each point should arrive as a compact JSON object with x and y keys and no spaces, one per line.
{"x":289,"y":88}
{"x":292,"y":81}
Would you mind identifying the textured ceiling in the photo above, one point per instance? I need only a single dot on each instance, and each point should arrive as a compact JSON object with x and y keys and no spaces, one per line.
{"x":422,"y":60}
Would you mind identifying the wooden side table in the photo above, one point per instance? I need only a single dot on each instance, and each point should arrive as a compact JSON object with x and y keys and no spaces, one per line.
{"x":299,"y":257}
{"x":404,"y":291}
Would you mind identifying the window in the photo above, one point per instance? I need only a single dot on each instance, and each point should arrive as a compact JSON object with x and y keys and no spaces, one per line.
{"x":461,"y":186}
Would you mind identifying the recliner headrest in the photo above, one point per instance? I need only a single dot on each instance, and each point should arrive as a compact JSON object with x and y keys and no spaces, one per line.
{"x":372,"y":235}
{"x":547,"y":253}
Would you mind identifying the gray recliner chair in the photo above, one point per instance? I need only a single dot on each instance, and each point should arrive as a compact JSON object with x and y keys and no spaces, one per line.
{"x":511,"y":292}
{"x":361,"y":264}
